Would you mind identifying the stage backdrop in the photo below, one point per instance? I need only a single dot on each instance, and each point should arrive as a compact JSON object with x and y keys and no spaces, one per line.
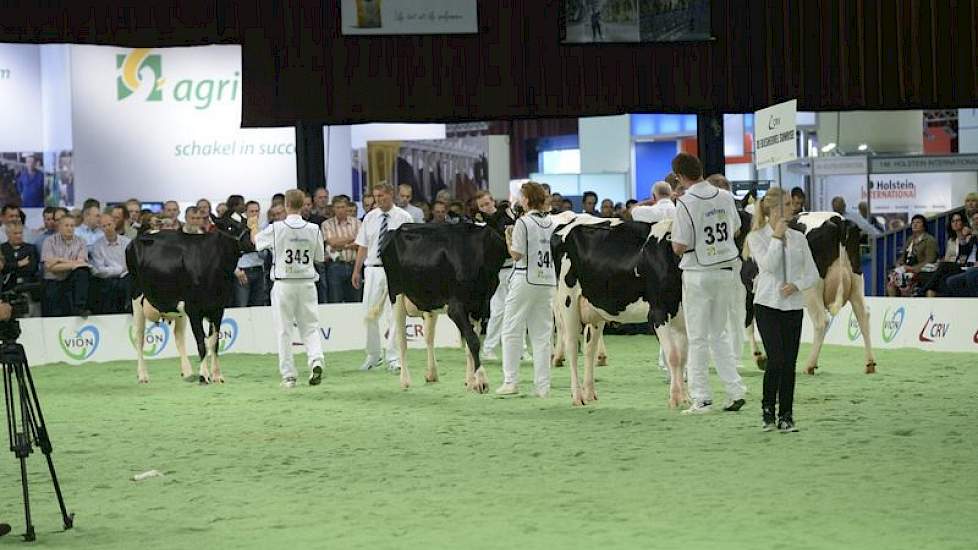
{"x":165,"y":123}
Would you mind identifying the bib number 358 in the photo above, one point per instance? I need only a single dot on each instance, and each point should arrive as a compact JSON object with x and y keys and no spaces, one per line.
{"x":716,"y":233}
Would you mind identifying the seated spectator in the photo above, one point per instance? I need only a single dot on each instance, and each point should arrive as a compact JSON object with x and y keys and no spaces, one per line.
{"x":111,"y":277}
{"x":204,"y":210}
{"x":588,"y":202}
{"x":66,"y":272}
{"x":10,"y":213}
{"x":89,"y":231}
{"x":404,"y":195}
{"x":971,"y":205}
{"x":20,"y":259}
{"x":662,"y":208}
{"x":340,"y":233}
{"x":193,"y":223}
{"x":921,"y":249}
{"x":959,"y":254}
{"x":122,"y":226}
{"x":607,"y":208}
{"x":49,"y":228}
{"x":439,"y":212}
{"x":249,"y":284}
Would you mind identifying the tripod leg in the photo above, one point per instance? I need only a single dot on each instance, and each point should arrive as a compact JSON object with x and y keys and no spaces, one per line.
{"x":44,"y":442}
{"x":29,"y":533}
{"x":19,"y":433}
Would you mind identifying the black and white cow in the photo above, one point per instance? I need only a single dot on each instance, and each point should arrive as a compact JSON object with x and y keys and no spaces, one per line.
{"x":834,"y":243}
{"x":178,"y":276}
{"x":623,"y":271}
{"x":435,"y":266}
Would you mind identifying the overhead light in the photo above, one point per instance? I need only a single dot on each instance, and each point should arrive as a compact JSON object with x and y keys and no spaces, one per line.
{"x":863,"y":147}
{"x":828,"y":147}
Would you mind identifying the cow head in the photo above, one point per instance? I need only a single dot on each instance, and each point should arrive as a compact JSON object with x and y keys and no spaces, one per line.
{"x":233,"y":227}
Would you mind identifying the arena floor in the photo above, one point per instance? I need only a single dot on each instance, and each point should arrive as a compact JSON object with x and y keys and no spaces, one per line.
{"x":884,"y":461}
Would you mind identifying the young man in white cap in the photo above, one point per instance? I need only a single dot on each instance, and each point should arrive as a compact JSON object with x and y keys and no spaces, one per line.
{"x":703,"y":236}
{"x":296,"y":247}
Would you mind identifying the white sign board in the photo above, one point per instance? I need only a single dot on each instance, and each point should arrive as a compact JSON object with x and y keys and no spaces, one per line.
{"x":21,"y":122}
{"x":410,"y":16}
{"x":775,"y":134}
{"x":160,"y":124}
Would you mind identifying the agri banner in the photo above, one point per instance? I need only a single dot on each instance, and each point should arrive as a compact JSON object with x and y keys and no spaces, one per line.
{"x":938,"y":325}
{"x":102,"y":338}
{"x":163,"y":123}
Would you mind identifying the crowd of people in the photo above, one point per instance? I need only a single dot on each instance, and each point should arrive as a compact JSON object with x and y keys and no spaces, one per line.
{"x":74,"y":264}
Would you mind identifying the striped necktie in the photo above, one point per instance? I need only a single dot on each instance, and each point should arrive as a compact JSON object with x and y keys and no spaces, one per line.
{"x":384,"y":234}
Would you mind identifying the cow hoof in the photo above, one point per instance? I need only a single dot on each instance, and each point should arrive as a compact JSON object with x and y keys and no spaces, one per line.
{"x":602,"y":361}
{"x":871,"y":367}
{"x":577,"y":399}
{"x":405,"y":385}
{"x":811,"y":370}
{"x":143,"y":380}
{"x":202,"y":380}
{"x":431,"y":378}
{"x":217,"y":380}
{"x":558,"y":364}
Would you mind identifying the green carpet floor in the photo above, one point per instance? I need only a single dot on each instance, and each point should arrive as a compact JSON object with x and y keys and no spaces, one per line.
{"x":884,"y":461}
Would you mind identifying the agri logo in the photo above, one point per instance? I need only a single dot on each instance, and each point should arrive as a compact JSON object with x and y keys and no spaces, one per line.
{"x":79,"y":344}
{"x":139,"y":69}
{"x":132,"y":67}
{"x":934,"y":330}
{"x":227,"y":336}
{"x":892,"y":323}
{"x":155,"y":339}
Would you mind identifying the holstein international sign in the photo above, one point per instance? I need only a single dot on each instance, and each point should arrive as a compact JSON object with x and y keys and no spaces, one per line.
{"x":161,"y":123}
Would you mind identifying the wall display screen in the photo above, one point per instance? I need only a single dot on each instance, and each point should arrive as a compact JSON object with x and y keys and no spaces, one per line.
{"x":611,"y":21}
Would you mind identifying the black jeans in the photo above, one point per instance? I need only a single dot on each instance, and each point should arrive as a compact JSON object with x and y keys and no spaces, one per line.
{"x":781,"y":334}
{"x":67,"y":297}
{"x":113,"y":295}
{"x":341,"y":289}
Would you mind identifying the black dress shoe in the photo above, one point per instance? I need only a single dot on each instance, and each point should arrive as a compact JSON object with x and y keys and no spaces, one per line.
{"x":4,"y":529}
{"x":787,"y":425}
{"x":735,"y":405}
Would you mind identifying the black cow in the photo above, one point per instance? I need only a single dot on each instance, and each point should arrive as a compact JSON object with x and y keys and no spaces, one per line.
{"x":179,"y":276}
{"x":432,"y":266}
{"x":623,"y":271}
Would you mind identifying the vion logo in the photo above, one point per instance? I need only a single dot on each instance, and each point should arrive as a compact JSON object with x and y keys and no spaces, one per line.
{"x":80,"y":344}
{"x":140,"y":68}
{"x":228,"y":335}
{"x":155,"y":338}
{"x":852,"y":328}
{"x":934,"y":330}
{"x":892,"y":323}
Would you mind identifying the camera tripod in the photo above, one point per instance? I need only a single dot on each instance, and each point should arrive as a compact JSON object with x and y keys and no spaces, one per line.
{"x":25,"y":423}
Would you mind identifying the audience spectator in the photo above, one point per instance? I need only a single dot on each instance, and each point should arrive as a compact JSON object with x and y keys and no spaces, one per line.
{"x":959,"y":254}
{"x":249,"y":284}
{"x":204,"y":210}
{"x":797,"y":201}
{"x":425,"y":211}
{"x":89,"y":231}
{"x":171,"y":209}
{"x":307,"y":208}
{"x":340,"y":233}
{"x":108,"y":261}
{"x":30,"y":184}
{"x":719,"y":181}
{"x":921,"y":249}
{"x":235,"y":205}
{"x":66,"y":272}
{"x":221,"y":209}
{"x":588,"y":202}
{"x":566,"y":205}
{"x":404,"y":195}
{"x":971,"y":205}
{"x":193,"y":221}
{"x":368,"y":205}
{"x":456,"y":212}
{"x":439,"y":212}
{"x":864,"y":212}
{"x":20,"y":260}
{"x":278,"y":199}
{"x":51,"y":216}
{"x":121,"y":217}
{"x":839,"y":207}
{"x":90,"y":202}
{"x":320,"y":211}
{"x":10,"y":213}
{"x":276,"y":213}
{"x":607,"y":208}
{"x":556,"y":203}
{"x":165,"y":223}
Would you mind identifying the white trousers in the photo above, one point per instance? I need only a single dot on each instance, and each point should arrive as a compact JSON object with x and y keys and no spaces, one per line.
{"x":708,"y":302}
{"x":294,"y":304}
{"x":528,"y":308}
{"x":374,"y":292}
{"x":737,"y":317}
{"x":497,"y":311}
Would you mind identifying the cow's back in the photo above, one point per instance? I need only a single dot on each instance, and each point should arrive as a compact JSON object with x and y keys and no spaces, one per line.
{"x":169,"y":267}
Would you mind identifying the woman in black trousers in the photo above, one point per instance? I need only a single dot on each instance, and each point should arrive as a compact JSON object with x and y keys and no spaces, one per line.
{"x":786,"y":269}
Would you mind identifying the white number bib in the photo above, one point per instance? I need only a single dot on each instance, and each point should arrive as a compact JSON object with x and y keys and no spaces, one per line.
{"x":713,"y":227}
{"x":539,"y":263}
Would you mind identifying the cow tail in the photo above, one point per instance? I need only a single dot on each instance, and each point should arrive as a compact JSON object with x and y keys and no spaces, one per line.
{"x":374,"y":312}
{"x":132,"y":265}
{"x":839,"y":301}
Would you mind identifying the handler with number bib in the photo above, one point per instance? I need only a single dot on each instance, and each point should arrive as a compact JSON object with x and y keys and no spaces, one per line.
{"x":296,"y":247}
{"x":703,"y":235}
{"x":531,"y":291}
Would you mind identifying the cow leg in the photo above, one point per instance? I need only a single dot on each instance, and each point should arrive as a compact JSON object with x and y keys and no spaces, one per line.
{"x":558,"y":359}
{"x":759,"y":358}
{"x":592,"y":337}
{"x":139,"y":330}
{"x":602,"y":350}
{"x":820,"y":324}
{"x":672,"y":337}
{"x":180,"y":337}
{"x":475,"y":375}
{"x":399,"y":316}
{"x":197,"y":326}
{"x":430,"y":322}
{"x":213,"y":341}
{"x":858,"y":303}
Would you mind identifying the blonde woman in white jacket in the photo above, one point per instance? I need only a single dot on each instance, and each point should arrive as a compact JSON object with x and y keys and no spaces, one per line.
{"x":786,"y":270}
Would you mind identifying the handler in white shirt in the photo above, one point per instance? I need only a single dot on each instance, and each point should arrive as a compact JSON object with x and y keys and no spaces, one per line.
{"x":663,"y":209}
{"x":787,"y":269}
{"x":378,"y":226}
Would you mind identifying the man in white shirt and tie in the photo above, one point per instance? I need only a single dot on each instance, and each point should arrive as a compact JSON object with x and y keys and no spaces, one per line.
{"x":703,"y":236}
{"x":661,"y":209}
{"x":377,"y":228}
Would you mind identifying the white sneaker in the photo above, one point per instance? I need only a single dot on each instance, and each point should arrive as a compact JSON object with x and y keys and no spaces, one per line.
{"x":370,"y":363}
{"x":288,"y":383}
{"x":542,"y":394}
{"x":394,"y":367}
{"x":507,"y":389}
{"x":702,"y":407}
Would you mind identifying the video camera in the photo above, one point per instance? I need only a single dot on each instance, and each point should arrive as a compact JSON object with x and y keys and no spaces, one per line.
{"x":19,"y":298}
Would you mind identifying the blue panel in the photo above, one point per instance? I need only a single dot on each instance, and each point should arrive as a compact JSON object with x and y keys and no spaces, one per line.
{"x":653,"y":160}
{"x":650,"y":125}
{"x":556,"y":143}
